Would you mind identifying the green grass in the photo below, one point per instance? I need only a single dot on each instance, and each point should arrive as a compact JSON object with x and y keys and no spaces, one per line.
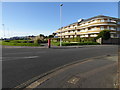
{"x":0,"y":42}
{"x":12,"y":43}
{"x":17,"y":41}
{"x":73,"y":44}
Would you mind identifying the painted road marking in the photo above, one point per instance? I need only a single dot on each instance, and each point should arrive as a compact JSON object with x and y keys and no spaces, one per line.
{"x":15,"y":58}
{"x":0,"y":58}
{"x":11,"y":53}
{"x":31,"y":57}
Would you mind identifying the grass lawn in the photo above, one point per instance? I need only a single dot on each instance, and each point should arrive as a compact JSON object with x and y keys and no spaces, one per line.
{"x":17,"y":43}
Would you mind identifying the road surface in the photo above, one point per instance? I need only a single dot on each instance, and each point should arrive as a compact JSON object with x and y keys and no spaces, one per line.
{"x":99,"y":72}
{"x":22,"y":64}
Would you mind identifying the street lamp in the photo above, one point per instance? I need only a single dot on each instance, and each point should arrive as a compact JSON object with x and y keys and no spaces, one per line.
{"x":61,"y":24}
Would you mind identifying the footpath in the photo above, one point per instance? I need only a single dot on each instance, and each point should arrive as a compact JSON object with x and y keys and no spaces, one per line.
{"x":54,"y":47}
{"x":97,"y":72}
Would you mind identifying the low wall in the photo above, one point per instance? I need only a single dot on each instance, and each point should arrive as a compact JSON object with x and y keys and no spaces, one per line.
{"x":109,"y":41}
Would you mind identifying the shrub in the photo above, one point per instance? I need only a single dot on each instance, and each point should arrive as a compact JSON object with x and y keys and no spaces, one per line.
{"x":37,"y":41}
{"x":72,"y":44}
{"x":105,"y":34}
{"x":30,"y":41}
{"x":7,"y":40}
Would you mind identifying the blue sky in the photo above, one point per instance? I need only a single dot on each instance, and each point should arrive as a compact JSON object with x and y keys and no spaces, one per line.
{"x":34,"y":18}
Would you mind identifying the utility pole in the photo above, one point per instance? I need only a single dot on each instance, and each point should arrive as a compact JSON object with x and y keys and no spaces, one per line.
{"x":61,"y":24}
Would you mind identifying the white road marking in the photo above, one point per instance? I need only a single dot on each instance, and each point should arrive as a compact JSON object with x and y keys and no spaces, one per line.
{"x":15,"y":58}
{"x":11,"y":53}
{"x":31,"y":57}
{"x":0,"y":58}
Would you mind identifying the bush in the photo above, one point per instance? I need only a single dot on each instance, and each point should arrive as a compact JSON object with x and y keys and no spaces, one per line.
{"x":37,"y":41}
{"x":7,"y":40}
{"x":72,"y":44}
{"x":55,"y":39}
{"x":105,"y":34}
{"x":15,"y":41}
{"x":78,"y":39}
{"x":55,"y":43}
{"x":30,"y":41}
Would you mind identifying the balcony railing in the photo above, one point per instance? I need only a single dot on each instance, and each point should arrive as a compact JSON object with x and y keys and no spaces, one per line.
{"x":89,"y":25}
{"x":96,"y":24}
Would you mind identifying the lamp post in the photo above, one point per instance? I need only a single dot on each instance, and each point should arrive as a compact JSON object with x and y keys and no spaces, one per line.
{"x":61,"y":24}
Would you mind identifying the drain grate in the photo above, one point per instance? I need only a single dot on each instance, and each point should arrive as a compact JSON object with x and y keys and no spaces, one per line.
{"x":73,"y":80}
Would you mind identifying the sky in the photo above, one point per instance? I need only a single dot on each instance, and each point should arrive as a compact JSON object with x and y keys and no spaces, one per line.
{"x":34,"y":18}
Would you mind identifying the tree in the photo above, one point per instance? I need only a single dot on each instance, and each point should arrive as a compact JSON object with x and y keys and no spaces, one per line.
{"x":37,"y":41}
{"x":105,"y":34}
{"x":50,"y":36}
{"x":53,"y":34}
{"x":41,"y":37}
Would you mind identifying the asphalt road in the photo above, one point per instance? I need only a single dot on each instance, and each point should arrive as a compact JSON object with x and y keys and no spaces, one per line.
{"x":22,"y":64}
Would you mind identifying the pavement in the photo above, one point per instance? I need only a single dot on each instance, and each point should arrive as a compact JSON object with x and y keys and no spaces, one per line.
{"x":57,"y":47}
{"x":97,"y":72}
{"x":20,"y":65}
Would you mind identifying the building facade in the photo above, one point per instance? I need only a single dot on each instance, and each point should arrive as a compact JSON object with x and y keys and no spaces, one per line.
{"x":90,"y":27}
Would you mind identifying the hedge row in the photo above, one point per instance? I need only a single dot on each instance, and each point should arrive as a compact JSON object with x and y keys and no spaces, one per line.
{"x":76,"y":39}
{"x":72,"y":44}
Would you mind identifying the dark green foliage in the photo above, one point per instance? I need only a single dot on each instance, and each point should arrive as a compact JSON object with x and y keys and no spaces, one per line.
{"x":72,"y":44}
{"x":41,"y":35}
{"x":53,"y":34}
{"x":7,"y":40}
{"x":105,"y":34}
{"x":50,"y":36}
{"x":78,"y":39}
{"x":37,"y":41}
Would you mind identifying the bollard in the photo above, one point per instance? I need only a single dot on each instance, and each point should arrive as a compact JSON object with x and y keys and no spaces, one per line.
{"x":49,"y":43}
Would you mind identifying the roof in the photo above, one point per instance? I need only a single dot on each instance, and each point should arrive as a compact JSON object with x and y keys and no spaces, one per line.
{"x":85,"y":20}
{"x":100,"y":16}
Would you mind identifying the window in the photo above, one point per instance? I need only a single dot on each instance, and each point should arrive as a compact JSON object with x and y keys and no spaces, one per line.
{"x":118,"y":22}
{"x":109,"y":20}
{"x":78,"y":30}
{"x":95,"y":28}
{"x":71,"y":26}
{"x":112,"y":28}
{"x":102,"y":28}
{"x":118,"y":28}
{"x":114,"y":35}
{"x":102,"y":20}
{"x":113,"y":21}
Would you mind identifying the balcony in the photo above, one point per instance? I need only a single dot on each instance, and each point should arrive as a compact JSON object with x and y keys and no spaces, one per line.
{"x":97,"y":24}
{"x":71,"y":29}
